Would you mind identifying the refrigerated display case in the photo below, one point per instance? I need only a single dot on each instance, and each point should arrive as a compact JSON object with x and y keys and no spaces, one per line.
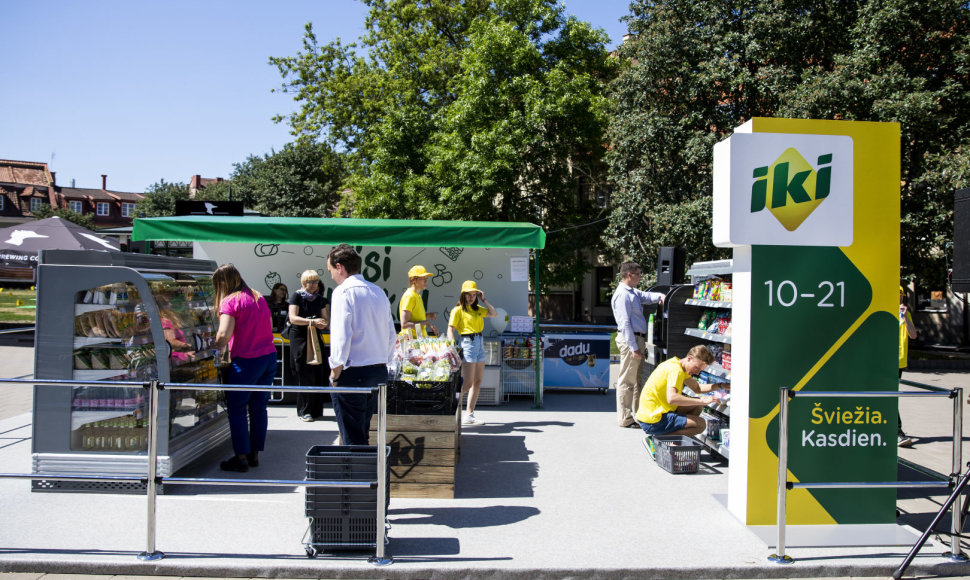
{"x":576,"y":356}
{"x":122,"y":317}
{"x":518,"y":369}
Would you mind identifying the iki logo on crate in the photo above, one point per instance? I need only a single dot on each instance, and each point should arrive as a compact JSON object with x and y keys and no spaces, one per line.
{"x":783,"y":189}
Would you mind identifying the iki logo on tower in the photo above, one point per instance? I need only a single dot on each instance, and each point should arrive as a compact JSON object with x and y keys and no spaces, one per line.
{"x":796,"y":188}
{"x":783,"y":189}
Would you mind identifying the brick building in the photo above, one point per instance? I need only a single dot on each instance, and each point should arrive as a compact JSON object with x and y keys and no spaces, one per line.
{"x":25,"y":186}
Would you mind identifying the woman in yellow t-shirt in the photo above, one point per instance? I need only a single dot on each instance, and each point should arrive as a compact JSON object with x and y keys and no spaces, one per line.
{"x":466,"y":323}
{"x":412,"y":306}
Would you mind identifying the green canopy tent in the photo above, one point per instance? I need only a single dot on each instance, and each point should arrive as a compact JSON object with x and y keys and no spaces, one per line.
{"x":362,"y":232}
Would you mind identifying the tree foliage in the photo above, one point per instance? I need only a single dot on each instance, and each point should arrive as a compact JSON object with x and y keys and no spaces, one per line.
{"x":160,"y":198}
{"x":473,"y":109}
{"x":85,"y":220}
{"x":301,"y":180}
{"x":908,"y":63}
{"x":696,"y":69}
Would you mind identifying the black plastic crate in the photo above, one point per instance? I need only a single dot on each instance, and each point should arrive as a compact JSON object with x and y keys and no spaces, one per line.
{"x":333,"y":494}
{"x":342,"y":463}
{"x":343,"y":532}
{"x":365,"y":509}
{"x":321,"y":504}
{"x":678,"y":454}
{"x":342,"y":519}
{"x":423,"y":397}
{"x":358,"y":467}
{"x":340,"y":459}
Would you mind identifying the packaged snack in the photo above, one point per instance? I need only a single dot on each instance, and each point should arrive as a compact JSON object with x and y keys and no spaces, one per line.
{"x":707,"y":319}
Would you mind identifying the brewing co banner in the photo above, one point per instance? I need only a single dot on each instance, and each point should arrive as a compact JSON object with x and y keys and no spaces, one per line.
{"x":811,"y":209}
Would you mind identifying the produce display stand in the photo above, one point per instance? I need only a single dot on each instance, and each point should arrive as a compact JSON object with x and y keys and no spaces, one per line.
{"x":424,"y":452}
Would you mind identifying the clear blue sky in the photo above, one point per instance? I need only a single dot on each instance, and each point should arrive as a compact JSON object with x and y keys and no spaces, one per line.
{"x":165,"y":89}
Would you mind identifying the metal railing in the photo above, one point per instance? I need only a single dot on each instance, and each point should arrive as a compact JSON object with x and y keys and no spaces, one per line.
{"x":15,"y":330}
{"x":947,"y":481}
{"x":152,"y":480}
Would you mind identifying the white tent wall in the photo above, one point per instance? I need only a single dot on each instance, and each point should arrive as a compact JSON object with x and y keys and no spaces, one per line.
{"x":502,"y":274}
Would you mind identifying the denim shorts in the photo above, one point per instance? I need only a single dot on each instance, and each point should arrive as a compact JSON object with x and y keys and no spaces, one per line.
{"x":668,"y":423}
{"x":473,"y":349}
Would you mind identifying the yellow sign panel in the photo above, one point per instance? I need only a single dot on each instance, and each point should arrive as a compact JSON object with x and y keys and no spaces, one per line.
{"x":818,"y":318}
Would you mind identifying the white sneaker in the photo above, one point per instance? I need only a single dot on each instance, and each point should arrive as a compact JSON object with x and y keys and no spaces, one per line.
{"x":470,"y":419}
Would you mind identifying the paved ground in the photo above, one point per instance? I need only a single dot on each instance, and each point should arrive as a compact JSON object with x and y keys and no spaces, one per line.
{"x":43,"y":576}
{"x":542,"y":493}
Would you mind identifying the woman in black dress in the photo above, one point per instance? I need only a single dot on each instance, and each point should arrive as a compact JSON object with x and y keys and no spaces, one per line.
{"x":278,"y":306}
{"x":309,"y":308}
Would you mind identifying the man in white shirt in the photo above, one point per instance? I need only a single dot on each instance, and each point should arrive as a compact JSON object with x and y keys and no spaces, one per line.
{"x":362,"y":340}
{"x":631,"y":334}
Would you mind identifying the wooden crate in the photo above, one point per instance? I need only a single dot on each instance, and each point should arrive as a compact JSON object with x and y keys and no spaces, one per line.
{"x":424,"y":452}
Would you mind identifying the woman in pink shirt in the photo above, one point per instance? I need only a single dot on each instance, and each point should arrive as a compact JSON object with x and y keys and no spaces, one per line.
{"x":246,"y":328}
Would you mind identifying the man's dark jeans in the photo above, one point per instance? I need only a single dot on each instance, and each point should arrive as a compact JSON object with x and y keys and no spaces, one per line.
{"x":354,"y":411}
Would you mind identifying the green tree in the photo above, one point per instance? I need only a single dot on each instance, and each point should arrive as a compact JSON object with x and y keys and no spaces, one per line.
{"x":907,"y":63}
{"x":697,"y":69}
{"x":475,"y":109}
{"x":160,"y":198}
{"x":302,"y":180}
{"x":83,"y":220}
{"x":692,"y":71}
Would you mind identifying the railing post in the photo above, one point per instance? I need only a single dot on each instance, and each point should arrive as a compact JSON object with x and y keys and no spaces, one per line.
{"x":380,"y":558}
{"x":150,"y":553}
{"x":956,"y":515}
{"x":779,"y":557}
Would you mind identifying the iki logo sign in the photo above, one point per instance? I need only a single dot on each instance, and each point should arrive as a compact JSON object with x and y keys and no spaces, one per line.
{"x":780,"y":189}
{"x":796,"y":187}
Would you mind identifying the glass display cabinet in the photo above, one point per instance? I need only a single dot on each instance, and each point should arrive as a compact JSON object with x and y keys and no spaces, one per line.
{"x":112,"y":316}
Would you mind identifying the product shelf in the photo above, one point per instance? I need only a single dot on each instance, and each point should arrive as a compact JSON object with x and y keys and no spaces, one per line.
{"x":717,"y":371}
{"x":700,"y":272}
{"x":83,"y":341}
{"x":100,"y":374}
{"x":82,"y":308}
{"x":726,"y":413}
{"x":708,"y":303}
{"x":713,"y":445}
{"x":696,"y":332}
{"x":711,"y":268}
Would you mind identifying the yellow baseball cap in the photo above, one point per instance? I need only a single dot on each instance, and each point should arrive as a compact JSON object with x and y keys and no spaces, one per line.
{"x":469,"y":286}
{"x":418,"y":272}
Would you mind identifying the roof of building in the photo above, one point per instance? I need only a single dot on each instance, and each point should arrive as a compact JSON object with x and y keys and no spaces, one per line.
{"x":99,"y":194}
{"x":25,"y":172}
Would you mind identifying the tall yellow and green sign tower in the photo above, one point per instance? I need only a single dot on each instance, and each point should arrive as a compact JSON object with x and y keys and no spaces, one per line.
{"x":811,"y":209}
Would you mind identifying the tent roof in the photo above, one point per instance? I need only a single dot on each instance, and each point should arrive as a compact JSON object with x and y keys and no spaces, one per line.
{"x":291,"y":230}
{"x":52,"y":233}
